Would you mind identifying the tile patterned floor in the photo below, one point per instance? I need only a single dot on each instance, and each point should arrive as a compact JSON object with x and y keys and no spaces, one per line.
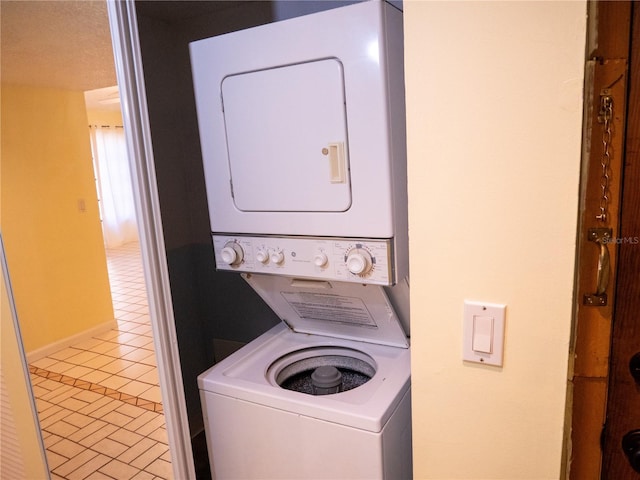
{"x":99,"y":400}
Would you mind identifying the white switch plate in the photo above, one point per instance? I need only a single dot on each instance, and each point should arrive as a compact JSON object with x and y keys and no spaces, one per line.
{"x":482,"y":319}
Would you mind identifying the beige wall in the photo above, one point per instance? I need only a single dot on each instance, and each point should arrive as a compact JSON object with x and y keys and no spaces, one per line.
{"x":50,"y":219}
{"x":494,"y":105}
{"x":21,"y":447}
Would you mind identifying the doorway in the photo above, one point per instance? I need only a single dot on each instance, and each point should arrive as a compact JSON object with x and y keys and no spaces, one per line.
{"x":49,"y":186}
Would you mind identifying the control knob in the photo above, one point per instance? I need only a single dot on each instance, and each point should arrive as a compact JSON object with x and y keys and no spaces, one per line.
{"x":359,"y":262}
{"x":232,"y":254}
{"x":320,"y":259}
{"x":277,"y":257}
{"x":262,"y":256}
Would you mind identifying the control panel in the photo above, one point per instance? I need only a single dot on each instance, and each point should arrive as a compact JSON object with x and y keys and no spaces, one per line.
{"x":345,"y":260}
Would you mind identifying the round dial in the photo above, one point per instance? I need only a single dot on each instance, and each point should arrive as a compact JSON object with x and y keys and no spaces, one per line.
{"x":262,"y":256}
{"x":232,"y":254}
{"x":359,"y":261}
{"x":320,"y":259}
{"x":277,"y":257}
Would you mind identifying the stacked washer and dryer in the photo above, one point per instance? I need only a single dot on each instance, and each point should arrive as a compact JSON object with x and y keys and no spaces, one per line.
{"x":302,"y":127}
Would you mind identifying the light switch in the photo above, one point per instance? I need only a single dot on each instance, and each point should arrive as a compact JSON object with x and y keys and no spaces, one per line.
{"x":483,"y":332}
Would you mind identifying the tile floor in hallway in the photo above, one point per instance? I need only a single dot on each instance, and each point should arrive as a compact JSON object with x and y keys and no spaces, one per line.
{"x":99,"y":400}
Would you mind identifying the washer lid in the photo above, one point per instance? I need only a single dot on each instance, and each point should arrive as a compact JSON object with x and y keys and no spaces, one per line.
{"x":334,"y":309}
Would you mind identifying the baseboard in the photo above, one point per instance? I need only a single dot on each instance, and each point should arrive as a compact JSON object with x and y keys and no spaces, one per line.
{"x":45,"y":351}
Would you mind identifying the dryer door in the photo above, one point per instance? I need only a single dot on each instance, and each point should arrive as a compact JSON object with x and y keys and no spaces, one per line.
{"x":286,"y":135}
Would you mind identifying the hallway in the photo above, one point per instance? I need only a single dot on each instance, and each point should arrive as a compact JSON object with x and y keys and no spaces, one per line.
{"x":99,"y":401}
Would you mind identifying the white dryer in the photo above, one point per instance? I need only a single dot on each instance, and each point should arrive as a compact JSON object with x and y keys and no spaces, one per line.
{"x":264,"y":420}
{"x":302,"y":129}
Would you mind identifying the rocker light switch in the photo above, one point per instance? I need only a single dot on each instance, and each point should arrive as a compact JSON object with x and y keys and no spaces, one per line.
{"x":483,"y":333}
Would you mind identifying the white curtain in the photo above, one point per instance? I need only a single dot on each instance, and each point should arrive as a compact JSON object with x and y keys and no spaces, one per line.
{"x":113,"y":177}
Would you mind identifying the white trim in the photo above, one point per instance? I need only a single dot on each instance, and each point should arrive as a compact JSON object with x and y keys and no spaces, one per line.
{"x":127,"y":55}
{"x":58,"y":345}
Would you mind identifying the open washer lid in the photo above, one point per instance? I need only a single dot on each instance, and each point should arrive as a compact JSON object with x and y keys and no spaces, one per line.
{"x":334,"y":309}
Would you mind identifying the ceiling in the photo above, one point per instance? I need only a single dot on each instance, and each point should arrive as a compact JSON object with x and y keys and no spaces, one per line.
{"x":59,"y":44}
{"x":66,"y":44}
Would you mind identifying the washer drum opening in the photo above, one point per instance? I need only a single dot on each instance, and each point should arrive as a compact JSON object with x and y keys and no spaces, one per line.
{"x":295,"y":371}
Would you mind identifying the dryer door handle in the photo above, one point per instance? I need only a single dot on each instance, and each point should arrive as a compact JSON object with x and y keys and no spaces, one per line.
{"x":337,"y":162}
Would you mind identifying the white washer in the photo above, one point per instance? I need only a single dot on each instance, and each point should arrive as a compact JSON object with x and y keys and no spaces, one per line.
{"x":258,"y":429}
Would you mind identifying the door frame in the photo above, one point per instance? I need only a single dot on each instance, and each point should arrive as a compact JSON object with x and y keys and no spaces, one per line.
{"x":130,"y":76}
{"x":606,"y":66}
{"x":123,"y":22}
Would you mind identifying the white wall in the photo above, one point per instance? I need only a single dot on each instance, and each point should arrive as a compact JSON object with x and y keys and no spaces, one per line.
{"x":494,"y":105}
